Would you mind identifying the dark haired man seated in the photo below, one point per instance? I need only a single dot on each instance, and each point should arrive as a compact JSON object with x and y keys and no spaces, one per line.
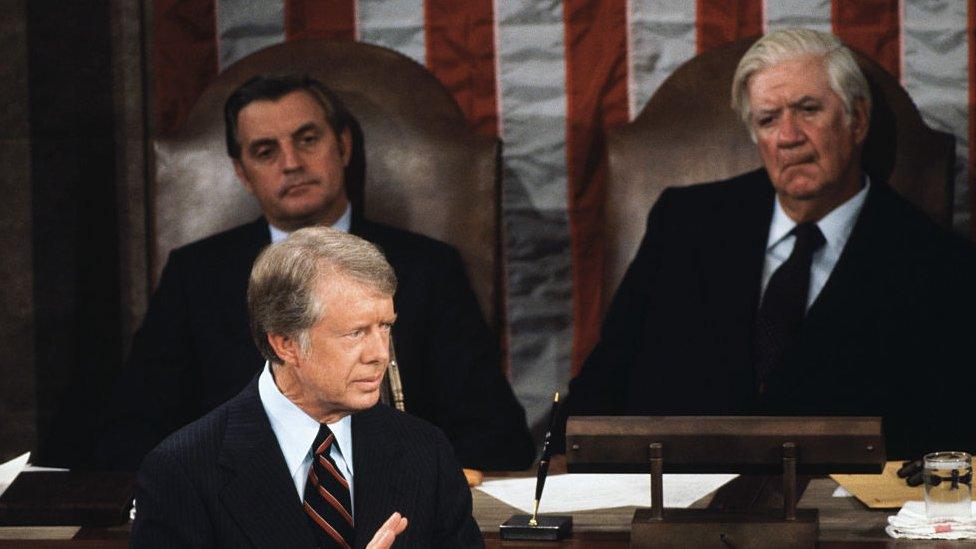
{"x":289,"y":140}
{"x":803,"y":288}
{"x":304,"y":456}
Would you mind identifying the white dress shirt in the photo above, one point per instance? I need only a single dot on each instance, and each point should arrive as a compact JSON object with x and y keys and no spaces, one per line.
{"x":342,"y":224}
{"x":836,"y":228}
{"x":296,"y":431}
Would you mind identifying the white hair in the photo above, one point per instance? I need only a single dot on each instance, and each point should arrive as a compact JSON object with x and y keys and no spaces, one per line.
{"x":843,"y":73}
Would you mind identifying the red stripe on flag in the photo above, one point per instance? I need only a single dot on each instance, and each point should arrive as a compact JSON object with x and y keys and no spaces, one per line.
{"x":719,"y":22}
{"x":461,"y":53}
{"x":184,"y":57}
{"x":871,"y":27}
{"x":596,"y":99}
{"x":329,"y":19}
{"x":971,"y":33}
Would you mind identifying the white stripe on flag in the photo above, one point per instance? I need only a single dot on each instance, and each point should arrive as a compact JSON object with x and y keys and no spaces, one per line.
{"x":782,"y":14}
{"x":244,"y":27}
{"x":394,"y":24}
{"x":532,"y":79}
{"x":936,"y":75}
{"x":662,"y":37}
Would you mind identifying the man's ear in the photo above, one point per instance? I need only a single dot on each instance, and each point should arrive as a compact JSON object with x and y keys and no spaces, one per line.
{"x":860,"y":120}
{"x":242,"y":176}
{"x":345,"y":146}
{"x":287,"y":348}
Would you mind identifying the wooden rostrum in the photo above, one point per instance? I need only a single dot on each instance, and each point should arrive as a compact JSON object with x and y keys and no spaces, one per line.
{"x":712,"y":444}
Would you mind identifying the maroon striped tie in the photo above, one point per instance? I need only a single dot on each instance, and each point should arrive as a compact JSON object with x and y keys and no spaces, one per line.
{"x":327,"y":502}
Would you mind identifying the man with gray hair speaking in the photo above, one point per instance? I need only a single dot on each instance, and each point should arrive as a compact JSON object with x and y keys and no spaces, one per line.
{"x":305,"y":456}
{"x":802,"y":288}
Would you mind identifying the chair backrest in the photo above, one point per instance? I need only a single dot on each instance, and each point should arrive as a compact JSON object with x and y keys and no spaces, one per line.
{"x":416,"y":164}
{"x":688,"y":133}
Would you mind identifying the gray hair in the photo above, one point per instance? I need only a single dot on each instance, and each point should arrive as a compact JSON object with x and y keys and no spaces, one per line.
{"x":281,"y":294}
{"x":845,"y":77}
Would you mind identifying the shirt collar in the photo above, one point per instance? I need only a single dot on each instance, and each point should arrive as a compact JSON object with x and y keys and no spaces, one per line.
{"x":344,"y":223}
{"x":836,"y":226}
{"x":296,"y":430}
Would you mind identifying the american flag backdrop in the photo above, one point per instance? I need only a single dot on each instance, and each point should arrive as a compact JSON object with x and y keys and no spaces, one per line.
{"x":549,"y":78}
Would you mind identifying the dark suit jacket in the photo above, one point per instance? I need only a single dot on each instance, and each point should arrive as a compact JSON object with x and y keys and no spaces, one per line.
{"x":222,"y":482}
{"x":882,"y":338}
{"x":194,"y":349}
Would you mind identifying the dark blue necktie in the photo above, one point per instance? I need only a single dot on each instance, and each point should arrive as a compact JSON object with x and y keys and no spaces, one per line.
{"x":784,"y":303}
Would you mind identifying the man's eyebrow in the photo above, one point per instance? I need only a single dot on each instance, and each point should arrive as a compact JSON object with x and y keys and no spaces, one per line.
{"x":307,"y":127}
{"x":768,"y":110}
{"x":804,"y":100}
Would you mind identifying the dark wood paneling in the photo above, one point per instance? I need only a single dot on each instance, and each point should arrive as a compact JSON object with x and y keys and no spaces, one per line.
{"x":17,"y":401}
{"x":75,"y":231}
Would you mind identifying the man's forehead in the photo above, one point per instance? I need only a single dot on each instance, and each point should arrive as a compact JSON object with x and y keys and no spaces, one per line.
{"x":287,"y":114}
{"x":792,"y":80}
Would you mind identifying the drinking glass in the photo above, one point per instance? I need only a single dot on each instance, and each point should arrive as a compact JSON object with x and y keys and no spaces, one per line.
{"x":948,"y":480}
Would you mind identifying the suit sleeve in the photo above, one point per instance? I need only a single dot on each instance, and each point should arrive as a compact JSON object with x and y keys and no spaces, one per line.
{"x":169,"y":511}
{"x":602,"y":381}
{"x":932,"y":334}
{"x":474,"y":403}
{"x":149,"y":400}
{"x":454,"y":515}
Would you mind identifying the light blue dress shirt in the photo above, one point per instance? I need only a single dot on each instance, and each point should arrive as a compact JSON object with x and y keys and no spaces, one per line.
{"x":296,"y":431}
{"x":342,"y":224}
{"x":836,"y":228}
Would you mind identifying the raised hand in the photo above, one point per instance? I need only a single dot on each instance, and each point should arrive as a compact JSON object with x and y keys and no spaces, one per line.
{"x":384,"y":537}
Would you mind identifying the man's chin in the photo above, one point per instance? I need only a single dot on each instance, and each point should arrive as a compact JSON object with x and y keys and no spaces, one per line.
{"x":367,"y":400}
{"x":800,"y":188}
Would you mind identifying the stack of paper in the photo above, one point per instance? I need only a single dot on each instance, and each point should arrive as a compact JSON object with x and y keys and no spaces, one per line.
{"x":10,"y":470}
{"x":581,"y":492}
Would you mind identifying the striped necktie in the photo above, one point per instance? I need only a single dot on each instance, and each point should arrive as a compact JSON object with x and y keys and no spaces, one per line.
{"x":327,"y":501}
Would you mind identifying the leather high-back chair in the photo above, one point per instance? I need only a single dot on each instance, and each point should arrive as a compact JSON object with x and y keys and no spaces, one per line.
{"x":425,"y":170}
{"x":688,"y":133}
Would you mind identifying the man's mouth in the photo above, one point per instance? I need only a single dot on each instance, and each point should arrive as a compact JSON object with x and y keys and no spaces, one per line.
{"x":290,"y":187}
{"x":796,"y":161}
{"x":369,"y":383}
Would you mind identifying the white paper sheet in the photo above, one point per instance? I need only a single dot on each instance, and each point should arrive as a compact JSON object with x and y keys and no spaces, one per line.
{"x":581,"y":492}
{"x":41,"y":469}
{"x":10,"y":470}
{"x":841,"y":492}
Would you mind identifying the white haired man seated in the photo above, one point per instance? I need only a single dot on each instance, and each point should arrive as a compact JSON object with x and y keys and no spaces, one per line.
{"x":801,"y":288}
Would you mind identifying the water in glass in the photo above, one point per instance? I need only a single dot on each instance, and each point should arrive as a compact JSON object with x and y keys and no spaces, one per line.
{"x":948,"y":485}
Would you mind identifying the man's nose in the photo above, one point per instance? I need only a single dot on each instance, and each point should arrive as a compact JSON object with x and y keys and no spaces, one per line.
{"x":377,"y":349}
{"x":790,"y":133}
{"x":290,"y":158}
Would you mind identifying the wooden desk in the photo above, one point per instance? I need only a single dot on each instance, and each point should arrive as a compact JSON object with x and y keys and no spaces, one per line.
{"x":844,"y":523}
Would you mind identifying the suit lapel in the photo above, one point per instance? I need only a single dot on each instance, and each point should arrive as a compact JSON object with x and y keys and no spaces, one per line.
{"x":235,"y":271}
{"x":732,"y":258}
{"x":847,"y":300}
{"x":376,"y":453}
{"x":856,"y":261}
{"x":260,"y":495}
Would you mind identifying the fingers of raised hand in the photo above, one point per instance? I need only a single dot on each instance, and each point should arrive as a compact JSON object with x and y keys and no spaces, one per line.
{"x":384,"y":537}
